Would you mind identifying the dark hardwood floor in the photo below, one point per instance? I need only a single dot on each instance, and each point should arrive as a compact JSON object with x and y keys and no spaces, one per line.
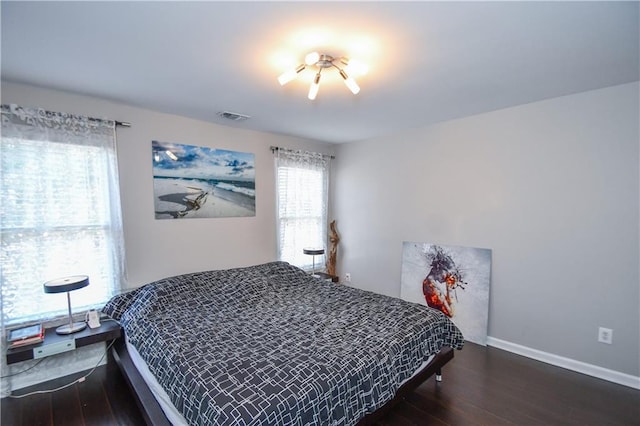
{"x":481,"y":386}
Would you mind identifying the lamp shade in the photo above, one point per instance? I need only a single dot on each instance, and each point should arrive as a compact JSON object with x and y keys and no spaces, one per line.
{"x":313,"y":251}
{"x":62,"y":285}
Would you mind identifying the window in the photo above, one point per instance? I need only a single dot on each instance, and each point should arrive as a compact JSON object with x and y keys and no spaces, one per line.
{"x":302,"y":194}
{"x":60,"y":212}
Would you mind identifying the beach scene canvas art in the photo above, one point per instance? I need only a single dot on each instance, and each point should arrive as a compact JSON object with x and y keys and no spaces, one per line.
{"x":199,"y":182}
{"x":453,"y":280}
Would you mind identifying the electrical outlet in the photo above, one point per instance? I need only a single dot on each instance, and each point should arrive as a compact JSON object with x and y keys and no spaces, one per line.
{"x":347,"y":277}
{"x":605,"y":335}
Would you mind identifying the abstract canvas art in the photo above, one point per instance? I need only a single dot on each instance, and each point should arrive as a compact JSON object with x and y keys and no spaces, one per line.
{"x":454,"y":280}
{"x":199,"y":182}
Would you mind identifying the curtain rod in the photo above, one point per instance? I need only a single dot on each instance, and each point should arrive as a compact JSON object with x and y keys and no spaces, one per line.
{"x":276,"y":148}
{"x":116,"y":122}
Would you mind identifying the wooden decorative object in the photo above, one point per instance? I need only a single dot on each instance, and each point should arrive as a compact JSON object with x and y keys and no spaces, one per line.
{"x":334,"y":239}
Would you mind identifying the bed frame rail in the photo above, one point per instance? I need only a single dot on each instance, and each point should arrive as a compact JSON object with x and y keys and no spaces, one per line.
{"x":149,"y":407}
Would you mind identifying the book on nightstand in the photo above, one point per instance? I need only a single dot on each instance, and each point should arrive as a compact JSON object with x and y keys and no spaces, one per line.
{"x":25,"y":336}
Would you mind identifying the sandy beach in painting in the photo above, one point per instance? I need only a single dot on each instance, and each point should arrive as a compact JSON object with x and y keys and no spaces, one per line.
{"x":192,"y":198}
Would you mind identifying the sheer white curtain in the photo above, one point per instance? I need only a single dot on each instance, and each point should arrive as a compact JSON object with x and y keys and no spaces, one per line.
{"x":302,"y":189}
{"x":60,"y":212}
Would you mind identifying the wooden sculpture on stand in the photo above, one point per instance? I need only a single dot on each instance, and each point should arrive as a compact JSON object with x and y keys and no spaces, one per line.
{"x":334,"y":239}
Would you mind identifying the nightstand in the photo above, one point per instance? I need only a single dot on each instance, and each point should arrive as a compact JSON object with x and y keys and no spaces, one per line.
{"x":55,"y":343}
{"x":325,"y":276}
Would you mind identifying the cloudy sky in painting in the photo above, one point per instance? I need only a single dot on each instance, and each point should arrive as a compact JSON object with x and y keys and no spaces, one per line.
{"x":201,"y":162}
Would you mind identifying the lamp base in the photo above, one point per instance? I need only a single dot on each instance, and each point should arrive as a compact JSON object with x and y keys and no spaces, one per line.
{"x":71,"y":328}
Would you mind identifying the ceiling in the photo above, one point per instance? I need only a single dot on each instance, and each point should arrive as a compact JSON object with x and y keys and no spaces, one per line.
{"x":428,"y":61}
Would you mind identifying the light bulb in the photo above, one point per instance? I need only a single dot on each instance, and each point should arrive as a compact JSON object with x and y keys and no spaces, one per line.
{"x":312,"y":58}
{"x":350,"y":82}
{"x":356,"y":67}
{"x":289,"y":75}
{"x":313,"y":90}
{"x":352,"y":85}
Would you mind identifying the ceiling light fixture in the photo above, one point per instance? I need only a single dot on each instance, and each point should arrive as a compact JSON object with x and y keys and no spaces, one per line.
{"x":322,"y":61}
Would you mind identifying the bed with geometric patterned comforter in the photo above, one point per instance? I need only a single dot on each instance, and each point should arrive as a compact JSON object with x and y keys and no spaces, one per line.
{"x":271,"y":345}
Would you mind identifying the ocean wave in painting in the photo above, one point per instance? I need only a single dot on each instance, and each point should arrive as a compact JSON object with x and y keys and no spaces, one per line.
{"x":242,"y":190}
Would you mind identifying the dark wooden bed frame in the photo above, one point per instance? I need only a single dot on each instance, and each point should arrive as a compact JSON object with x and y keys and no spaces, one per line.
{"x":154,"y":416}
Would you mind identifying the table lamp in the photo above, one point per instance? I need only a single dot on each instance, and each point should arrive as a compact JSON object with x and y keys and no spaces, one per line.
{"x":68,"y":284}
{"x":314,"y":252}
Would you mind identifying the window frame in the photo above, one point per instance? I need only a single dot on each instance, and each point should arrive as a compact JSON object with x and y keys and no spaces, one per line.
{"x":302,"y":160}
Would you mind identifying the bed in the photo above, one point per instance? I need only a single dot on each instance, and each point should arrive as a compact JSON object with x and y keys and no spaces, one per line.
{"x":270,"y":344}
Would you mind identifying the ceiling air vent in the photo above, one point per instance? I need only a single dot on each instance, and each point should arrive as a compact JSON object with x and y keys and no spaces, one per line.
{"x":233,"y":116}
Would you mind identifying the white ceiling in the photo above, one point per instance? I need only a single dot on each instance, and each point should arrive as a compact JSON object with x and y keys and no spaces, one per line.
{"x":429,"y":61}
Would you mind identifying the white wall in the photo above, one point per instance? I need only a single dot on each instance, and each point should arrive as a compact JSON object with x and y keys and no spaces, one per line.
{"x":551,"y":187}
{"x":161,"y":248}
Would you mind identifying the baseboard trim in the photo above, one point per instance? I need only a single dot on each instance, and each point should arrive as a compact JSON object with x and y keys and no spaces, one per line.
{"x":568,"y":363}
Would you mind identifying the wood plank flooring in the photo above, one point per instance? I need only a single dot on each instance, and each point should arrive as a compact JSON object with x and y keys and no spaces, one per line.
{"x":102,"y":399}
{"x":481,"y":386}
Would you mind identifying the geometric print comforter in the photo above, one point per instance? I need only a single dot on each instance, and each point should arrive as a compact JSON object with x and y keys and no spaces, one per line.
{"x":271,"y":345}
